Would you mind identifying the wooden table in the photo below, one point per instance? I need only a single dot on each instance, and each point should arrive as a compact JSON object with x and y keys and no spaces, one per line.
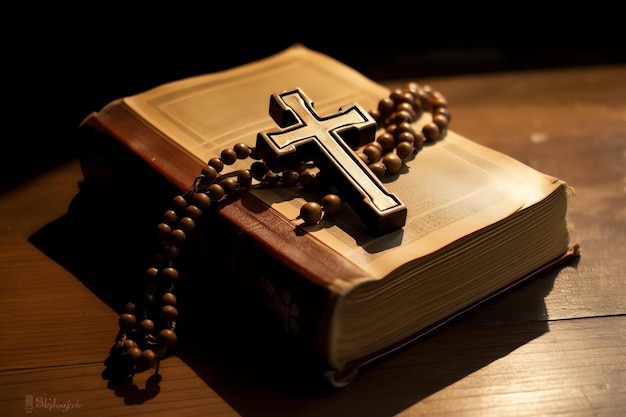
{"x":556,"y":346}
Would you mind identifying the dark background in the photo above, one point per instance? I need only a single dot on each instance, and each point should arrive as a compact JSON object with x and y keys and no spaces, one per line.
{"x":59,"y":70}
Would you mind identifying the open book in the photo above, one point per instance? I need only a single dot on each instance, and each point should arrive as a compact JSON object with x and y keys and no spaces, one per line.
{"x":477,"y":222}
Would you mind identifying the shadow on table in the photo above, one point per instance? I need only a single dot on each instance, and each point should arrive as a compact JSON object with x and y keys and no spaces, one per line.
{"x":103,"y":241}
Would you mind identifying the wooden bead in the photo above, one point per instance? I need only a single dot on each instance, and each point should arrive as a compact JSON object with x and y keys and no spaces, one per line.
{"x":148,"y":299}
{"x":202,"y":201}
{"x":169,"y":274}
{"x":148,"y":358}
{"x":170,"y":217}
{"x":228,"y":156}
{"x":311,"y":212}
{"x":373,"y":152}
{"x":331,"y":204}
{"x":244,"y":179}
{"x":386,"y":106}
{"x":405,"y":137}
{"x":441,"y":121}
{"x":291,"y":178}
{"x":387,"y":141}
{"x":171,"y":252}
{"x":217,"y":165}
{"x":177,"y":237}
{"x":242,"y":150}
{"x":127,"y":321}
{"x":187,"y":224}
{"x":378,"y":168}
{"x":430,"y":131}
{"x":163,"y":230}
{"x":151,"y":274}
{"x":179,"y":202}
{"x":129,"y":343}
{"x":147,"y":325}
{"x":258,"y":170}
{"x":216,"y":192}
{"x":193,"y":211}
{"x":392,"y":163}
{"x":168,"y":299}
{"x":134,"y":353}
{"x":229,"y":185}
{"x":404,"y":150}
{"x":167,"y":338}
{"x":169,"y":312}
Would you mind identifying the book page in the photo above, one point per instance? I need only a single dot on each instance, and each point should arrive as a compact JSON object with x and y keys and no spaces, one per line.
{"x":208,"y":113}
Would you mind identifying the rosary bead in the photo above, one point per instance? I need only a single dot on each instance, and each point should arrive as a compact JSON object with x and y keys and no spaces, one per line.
{"x":127,"y":321}
{"x":163,"y":230}
{"x":169,"y":312}
{"x":405,"y":137}
{"x":134,"y":353}
{"x":151,"y":274}
{"x":130,"y":308}
{"x":290,"y":178}
{"x":168,"y":299}
{"x":187,"y":224}
{"x":177,"y":237}
{"x":407,"y":107}
{"x":386,"y":106}
{"x":193,"y":211}
{"x":148,"y":299}
{"x":170,"y":274}
{"x":170,"y":217}
{"x":442,"y":110}
{"x":167,"y":338}
{"x":441,"y":121}
{"x":373,"y":152}
{"x":378,"y":168}
{"x":178,"y":202}
{"x":270,"y":180}
{"x":401,"y":116}
{"x":311,"y":212}
{"x":228,"y":156}
{"x":387,"y":141}
{"x":215,"y":192}
{"x":129,"y":343}
{"x":148,"y":358}
{"x":258,"y":170}
{"x":331,"y":203}
{"x":436,"y":99}
{"x":430,"y":131}
{"x":392,"y":163}
{"x":229,"y":185}
{"x":202,"y":201}
{"x":404,"y":150}
{"x":209,"y":178}
{"x":242,"y":150}
{"x":171,"y":252}
{"x":307,"y":178}
{"x":377,"y":116}
{"x":217,"y":165}
{"x":244,"y":179}
{"x":147,"y":325}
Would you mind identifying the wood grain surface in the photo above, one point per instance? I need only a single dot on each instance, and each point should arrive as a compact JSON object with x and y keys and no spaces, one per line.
{"x":554,"y":347}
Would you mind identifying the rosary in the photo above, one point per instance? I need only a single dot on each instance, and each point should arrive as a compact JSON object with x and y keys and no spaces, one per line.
{"x":147,"y":327}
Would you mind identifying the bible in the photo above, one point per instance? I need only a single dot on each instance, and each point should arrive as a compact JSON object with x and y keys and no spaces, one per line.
{"x":455,"y":225}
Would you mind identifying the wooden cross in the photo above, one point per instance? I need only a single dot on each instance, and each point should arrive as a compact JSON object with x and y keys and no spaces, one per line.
{"x":304,"y":135}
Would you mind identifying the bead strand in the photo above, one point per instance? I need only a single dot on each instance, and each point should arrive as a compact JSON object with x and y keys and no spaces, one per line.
{"x":147,"y":329}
